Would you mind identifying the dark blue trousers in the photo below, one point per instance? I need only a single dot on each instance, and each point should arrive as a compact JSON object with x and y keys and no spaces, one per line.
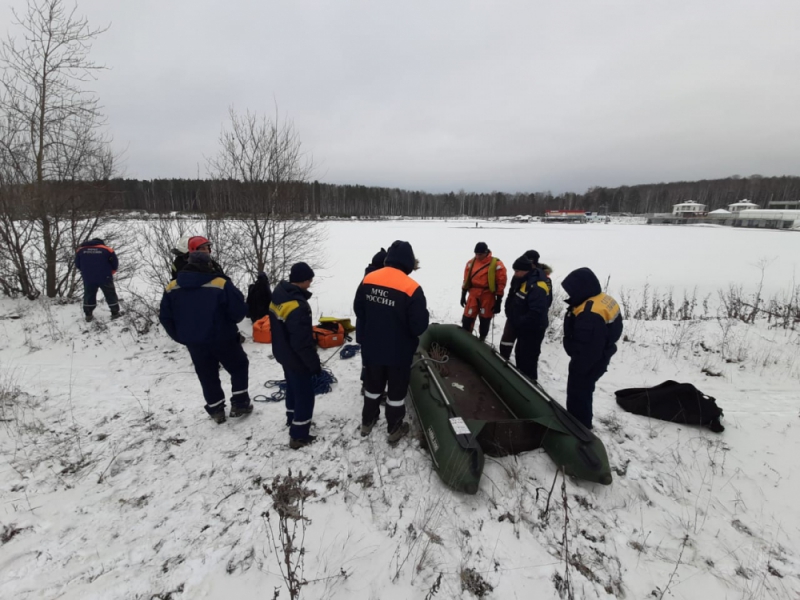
{"x":299,"y":402}
{"x":526,"y":355}
{"x":376,"y":379}
{"x":207,"y":358}
{"x":90,"y":296}
{"x":580,"y":391}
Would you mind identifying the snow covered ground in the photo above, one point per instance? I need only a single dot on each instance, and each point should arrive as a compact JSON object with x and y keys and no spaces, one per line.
{"x":114,"y":483}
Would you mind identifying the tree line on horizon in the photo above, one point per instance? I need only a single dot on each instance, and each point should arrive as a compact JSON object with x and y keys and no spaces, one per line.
{"x":316,"y":199}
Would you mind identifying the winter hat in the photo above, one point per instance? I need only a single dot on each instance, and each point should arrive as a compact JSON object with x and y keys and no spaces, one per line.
{"x":379,"y":258}
{"x":199,"y":258}
{"x":196,"y":241}
{"x":300,"y":272}
{"x":401,"y":256}
{"x":522,"y":264}
{"x":481,"y":247}
{"x":533,"y":256}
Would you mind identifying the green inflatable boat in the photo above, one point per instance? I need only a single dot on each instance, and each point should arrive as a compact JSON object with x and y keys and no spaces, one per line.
{"x":469,"y":401}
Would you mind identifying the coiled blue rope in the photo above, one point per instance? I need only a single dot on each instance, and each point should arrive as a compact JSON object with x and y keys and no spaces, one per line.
{"x":349,"y":351}
{"x":323,"y":383}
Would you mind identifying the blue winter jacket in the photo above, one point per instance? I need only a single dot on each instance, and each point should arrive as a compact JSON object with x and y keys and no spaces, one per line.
{"x":529,"y":301}
{"x":293,"y":344}
{"x":96,"y":262}
{"x":200,"y":307}
{"x":593,"y":323}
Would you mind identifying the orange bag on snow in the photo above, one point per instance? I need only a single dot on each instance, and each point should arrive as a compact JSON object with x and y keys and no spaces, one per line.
{"x":329,"y":335}
{"x":261,"y":331}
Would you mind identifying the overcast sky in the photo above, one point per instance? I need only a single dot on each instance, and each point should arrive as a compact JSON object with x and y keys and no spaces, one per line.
{"x":441,"y":95}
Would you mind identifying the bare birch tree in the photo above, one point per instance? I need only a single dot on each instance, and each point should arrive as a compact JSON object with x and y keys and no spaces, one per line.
{"x":266,"y":155}
{"x":52,"y":141}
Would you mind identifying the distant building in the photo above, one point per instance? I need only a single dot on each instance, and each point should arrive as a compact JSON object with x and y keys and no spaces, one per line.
{"x":565,"y":216}
{"x":784,"y":205}
{"x":690,"y":208}
{"x":742,"y":205}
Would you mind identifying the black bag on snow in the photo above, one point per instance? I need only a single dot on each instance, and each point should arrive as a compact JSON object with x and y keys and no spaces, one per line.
{"x":674,"y":402}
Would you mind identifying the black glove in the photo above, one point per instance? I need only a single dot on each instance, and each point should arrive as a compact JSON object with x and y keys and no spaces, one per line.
{"x":498,"y":305}
{"x":463,"y":298}
{"x":241,"y":338}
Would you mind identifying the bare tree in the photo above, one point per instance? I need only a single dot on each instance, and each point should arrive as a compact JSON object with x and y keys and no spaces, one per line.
{"x":265,"y":156}
{"x":52,"y":140}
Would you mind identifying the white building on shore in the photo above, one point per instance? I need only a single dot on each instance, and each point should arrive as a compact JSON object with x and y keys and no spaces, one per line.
{"x":742,"y":205}
{"x":690,"y":208}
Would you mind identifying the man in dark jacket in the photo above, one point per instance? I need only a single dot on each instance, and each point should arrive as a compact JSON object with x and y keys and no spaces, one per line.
{"x":527,"y":305}
{"x":259,"y":297}
{"x":294,"y":348}
{"x":392,"y":313}
{"x":97,"y":264}
{"x":200,"y":310}
{"x":592,"y":327}
{"x":531,"y":257}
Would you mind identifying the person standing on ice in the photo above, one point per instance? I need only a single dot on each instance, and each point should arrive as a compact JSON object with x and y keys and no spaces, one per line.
{"x":392,"y":313}
{"x":592,"y":327}
{"x":509,"y":335}
{"x":97,"y":264}
{"x":482,"y":290}
{"x":527,"y":306}
{"x":294,"y":348}
{"x":200,"y":310}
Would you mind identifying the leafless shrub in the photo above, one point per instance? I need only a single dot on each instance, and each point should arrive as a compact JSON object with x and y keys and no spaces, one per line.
{"x":289,"y":494}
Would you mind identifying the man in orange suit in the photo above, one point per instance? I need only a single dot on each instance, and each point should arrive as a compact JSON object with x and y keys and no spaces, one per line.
{"x":482,"y":290}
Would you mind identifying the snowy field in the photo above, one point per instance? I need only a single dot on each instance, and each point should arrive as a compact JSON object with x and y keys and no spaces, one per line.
{"x":115,"y":485}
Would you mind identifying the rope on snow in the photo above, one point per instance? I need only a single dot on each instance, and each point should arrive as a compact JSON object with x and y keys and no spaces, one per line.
{"x":349,"y":351}
{"x":323,"y":383}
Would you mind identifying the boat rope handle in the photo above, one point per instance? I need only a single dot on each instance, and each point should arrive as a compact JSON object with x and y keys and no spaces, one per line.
{"x":424,"y":359}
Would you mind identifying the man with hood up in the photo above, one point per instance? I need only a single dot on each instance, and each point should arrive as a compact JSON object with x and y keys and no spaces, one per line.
{"x":294,"y":348}
{"x":97,"y":264}
{"x":592,"y":327}
{"x":200,"y":310}
{"x":392,"y":313}
{"x":482,"y":290}
{"x":527,"y":307}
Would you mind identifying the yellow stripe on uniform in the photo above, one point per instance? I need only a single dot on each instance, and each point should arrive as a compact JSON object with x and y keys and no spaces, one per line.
{"x":173,"y":285}
{"x":603,"y":305}
{"x":282,"y":311}
{"x":218,"y":282}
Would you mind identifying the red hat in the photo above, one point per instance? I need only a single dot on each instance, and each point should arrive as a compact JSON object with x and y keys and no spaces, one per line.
{"x":197,"y":241}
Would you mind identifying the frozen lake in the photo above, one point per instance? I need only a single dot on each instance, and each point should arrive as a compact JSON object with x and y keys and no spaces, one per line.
{"x":709,"y":258}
